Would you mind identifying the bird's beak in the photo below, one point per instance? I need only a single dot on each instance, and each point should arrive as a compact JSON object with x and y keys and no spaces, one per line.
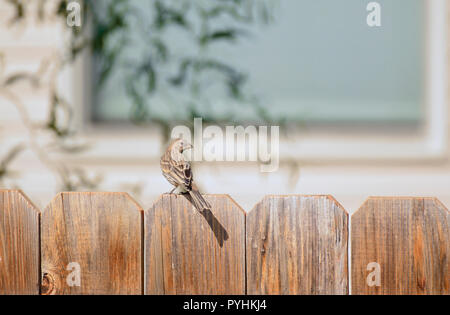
{"x":187,"y":146}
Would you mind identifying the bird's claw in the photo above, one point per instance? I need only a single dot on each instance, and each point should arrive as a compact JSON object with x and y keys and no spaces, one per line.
{"x":179,"y":192}
{"x":171,"y":192}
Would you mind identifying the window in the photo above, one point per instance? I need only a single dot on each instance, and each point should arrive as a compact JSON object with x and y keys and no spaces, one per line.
{"x":319,"y":62}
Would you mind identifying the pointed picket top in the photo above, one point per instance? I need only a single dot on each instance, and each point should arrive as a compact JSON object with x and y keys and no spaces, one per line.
{"x":92,"y":244}
{"x":297,"y":244}
{"x":19,"y":244}
{"x":401,"y":245}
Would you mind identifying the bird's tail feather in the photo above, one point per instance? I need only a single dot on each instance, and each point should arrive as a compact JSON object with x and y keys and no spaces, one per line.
{"x":199,"y":202}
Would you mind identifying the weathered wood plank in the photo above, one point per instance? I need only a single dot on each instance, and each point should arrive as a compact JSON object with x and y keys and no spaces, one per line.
{"x":102,"y":232}
{"x":409,"y":239}
{"x":297,"y":245}
{"x":19,"y":244}
{"x":187,"y":252}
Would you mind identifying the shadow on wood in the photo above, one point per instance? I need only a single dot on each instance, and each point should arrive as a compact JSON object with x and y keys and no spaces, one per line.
{"x":183,"y":251}
{"x":219,"y":231}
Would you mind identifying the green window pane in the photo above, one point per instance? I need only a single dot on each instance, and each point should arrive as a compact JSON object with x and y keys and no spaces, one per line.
{"x":317,"y":61}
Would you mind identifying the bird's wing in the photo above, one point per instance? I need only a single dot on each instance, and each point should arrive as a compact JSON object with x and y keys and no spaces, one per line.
{"x":181,"y":171}
{"x":177,"y":171}
{"x":165,"y":164}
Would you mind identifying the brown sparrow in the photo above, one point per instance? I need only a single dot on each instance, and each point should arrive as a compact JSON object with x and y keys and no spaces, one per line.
{"x":178,"y":172}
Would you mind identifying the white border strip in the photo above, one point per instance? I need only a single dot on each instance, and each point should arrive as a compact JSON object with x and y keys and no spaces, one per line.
{"x":437,"y":76}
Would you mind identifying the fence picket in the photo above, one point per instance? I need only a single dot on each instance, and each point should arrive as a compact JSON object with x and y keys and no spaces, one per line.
{"x":297,"y":245}
{"x":401,"y":245}
{"x":99,"y":234}
{"x":19,"y":244}
{"x":293,"y":244}
{"x":187,"y":252}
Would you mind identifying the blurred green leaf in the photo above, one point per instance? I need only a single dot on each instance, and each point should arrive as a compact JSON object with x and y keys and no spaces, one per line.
{"x":54,"y":124}
{"x":14,"y":78}
{"x":161,"y":49}
{"x":19,"y":10}
{"x":166,"y":16}
{"x":229,"y":34}
{"x":8,"y":158}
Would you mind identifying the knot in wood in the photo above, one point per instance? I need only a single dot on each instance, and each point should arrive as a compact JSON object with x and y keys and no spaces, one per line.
{"x":48,"y":284}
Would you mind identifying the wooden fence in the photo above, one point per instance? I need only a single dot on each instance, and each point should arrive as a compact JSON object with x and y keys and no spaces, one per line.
{"x":105,"y":243}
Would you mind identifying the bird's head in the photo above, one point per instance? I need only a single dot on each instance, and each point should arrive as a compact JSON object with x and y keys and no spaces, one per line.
{"x":181,"y":145}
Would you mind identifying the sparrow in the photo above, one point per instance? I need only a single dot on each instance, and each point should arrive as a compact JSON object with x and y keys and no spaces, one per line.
{"x":178,"y":172}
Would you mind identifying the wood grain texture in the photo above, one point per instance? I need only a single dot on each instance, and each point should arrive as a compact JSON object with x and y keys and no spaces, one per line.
{"x":102,"y":232}
{"x":187,"y":252}
{"x":297,"y":245}
{"x":409,"y":238}
{"x":19,"y":244}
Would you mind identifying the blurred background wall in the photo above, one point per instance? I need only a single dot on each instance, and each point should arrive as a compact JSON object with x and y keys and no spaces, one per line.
{"x":113,"y":155}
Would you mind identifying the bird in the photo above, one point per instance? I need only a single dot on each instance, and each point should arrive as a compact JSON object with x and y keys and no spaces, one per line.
{"x":177,"y":170}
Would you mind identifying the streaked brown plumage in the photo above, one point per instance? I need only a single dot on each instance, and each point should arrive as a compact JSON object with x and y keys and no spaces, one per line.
{"x":178,"y":172}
